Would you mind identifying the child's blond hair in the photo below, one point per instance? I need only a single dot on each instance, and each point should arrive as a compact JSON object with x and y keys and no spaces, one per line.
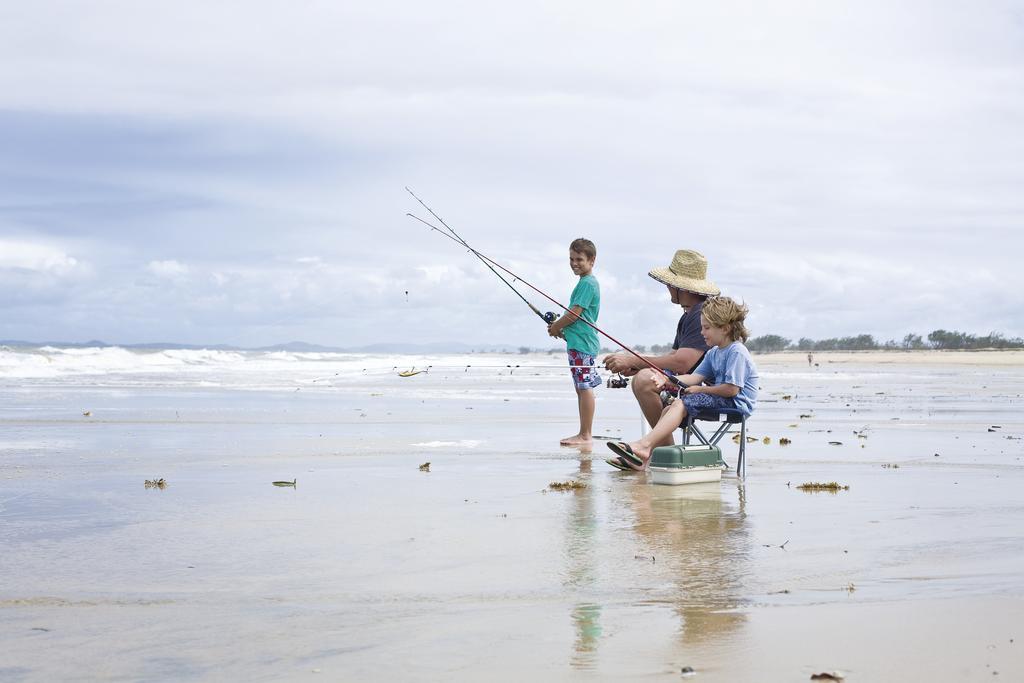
{"x":721,"y":311}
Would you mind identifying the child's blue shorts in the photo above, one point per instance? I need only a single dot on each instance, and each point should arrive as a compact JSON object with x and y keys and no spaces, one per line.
{"x":697,"y":402}
{"x":584,"y":375}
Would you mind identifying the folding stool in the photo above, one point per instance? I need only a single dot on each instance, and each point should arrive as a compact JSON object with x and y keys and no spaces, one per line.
{"x":732,"y":417}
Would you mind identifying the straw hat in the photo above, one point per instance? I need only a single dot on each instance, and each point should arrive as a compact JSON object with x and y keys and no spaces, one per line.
{"x":689,"y":270}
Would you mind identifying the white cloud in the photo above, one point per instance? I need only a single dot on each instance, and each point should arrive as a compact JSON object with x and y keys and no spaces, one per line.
{"x":35,"y":256}
{"x":169,"y":269}
{"x":38,"y":282}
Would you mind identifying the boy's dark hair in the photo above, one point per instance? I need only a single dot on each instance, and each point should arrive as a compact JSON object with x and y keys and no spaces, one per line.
{"x":581,"y":245}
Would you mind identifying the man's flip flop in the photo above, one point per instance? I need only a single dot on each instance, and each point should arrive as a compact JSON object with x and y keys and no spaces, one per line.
{"x":622,"y":449}
{"x":619,"y":465}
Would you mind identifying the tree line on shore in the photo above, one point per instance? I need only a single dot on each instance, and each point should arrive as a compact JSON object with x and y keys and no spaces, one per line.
{"x":939,"y":340}
{"x":773,"y":343}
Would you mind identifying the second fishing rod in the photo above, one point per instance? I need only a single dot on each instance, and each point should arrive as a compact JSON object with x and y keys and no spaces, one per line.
{"x":491,"y":262}
{"x":548,"y":317}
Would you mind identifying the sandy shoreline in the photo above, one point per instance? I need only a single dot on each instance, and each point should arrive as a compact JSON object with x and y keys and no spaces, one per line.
{"x":371,"y":569}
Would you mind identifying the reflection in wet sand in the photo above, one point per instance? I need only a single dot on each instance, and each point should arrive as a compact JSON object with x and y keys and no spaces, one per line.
{"x":586,"y":618}
{"x":581,"y":556}
{"x":699,"y":544}
{"x":691,"y":551}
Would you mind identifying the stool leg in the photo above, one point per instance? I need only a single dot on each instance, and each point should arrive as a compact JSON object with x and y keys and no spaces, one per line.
{"x":741,"y":465}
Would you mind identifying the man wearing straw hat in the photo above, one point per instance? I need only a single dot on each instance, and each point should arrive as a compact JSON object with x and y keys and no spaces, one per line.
{"x":688,"y":286}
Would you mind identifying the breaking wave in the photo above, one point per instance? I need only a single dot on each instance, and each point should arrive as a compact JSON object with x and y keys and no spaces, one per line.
{"x":182,"y":366}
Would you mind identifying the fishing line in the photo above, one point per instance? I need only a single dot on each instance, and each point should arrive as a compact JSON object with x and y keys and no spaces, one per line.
{"x":544,"y":294}
{"x":546,"y":317}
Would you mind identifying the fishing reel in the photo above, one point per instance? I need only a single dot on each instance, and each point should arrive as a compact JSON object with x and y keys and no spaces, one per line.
{"x":670,"y":392}
{"x":617,"y":382}
{"x":550,"y":317}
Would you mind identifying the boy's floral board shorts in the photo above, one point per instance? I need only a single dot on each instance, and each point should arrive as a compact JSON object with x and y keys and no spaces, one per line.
{"x":584,"y":375}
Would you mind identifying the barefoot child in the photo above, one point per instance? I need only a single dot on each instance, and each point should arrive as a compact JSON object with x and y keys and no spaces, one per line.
{"x":728,"y":369}
{"x":580,"y":338}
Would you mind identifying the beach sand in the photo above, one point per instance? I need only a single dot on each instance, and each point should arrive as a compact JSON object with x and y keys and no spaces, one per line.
{"x":371,"y":569}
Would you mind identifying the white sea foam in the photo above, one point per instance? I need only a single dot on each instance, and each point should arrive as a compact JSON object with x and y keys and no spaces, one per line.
{"x":203,"y":368}
{"x":67,"y":363}
{"x":464,"y":443}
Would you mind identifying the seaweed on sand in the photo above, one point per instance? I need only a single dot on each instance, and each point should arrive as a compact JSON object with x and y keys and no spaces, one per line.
{"x":572,"y":485}
{"x":831,"y":487}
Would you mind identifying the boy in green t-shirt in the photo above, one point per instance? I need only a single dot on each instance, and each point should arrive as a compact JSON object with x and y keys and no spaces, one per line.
{"x":580,"y":338}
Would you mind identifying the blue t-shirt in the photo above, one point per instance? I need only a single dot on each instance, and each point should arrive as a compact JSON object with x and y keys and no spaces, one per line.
{"x":732,"y":365}
{"x":580,"y":336}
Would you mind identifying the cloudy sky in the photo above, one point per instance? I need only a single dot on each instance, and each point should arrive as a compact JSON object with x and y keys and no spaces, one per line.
{"x":234,"y":172}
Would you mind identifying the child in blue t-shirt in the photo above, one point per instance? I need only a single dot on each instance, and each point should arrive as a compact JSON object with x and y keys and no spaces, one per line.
{"x":727,"y":369}
{"x":580,"y":338}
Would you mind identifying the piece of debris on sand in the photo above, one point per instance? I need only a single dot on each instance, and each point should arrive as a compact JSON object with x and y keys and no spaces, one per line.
{"x":285,"y":483}
{"x":784,"y":441}
{"x":831,"y":487}
{"x":827,"y":676}
{"x":567,"y":485}
{"x":425,"y":467}
{"x":156,"y":483}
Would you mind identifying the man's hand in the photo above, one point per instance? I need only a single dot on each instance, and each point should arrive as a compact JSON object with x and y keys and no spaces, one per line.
{"x":554,"y":331}
{"x":620,"y":363}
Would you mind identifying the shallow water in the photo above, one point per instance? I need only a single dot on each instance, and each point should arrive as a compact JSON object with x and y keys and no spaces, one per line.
{"x":370,"y":569}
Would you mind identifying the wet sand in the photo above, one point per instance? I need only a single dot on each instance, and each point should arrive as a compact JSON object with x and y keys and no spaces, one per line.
{"x":370,"y":569}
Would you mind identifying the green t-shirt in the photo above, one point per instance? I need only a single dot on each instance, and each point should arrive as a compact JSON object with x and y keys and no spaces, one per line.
{"x":579,"y":335}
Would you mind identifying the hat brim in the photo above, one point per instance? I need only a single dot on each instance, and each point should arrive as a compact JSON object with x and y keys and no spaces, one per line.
{"x":690,"y":284}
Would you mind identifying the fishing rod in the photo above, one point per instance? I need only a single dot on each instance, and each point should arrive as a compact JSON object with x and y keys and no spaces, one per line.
{"x":548,"y":317}
{"x":491,"y":261}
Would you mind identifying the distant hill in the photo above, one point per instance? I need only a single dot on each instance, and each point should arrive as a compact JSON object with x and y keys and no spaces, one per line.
{"x":292,"y":346}
{"x":95,"y":343}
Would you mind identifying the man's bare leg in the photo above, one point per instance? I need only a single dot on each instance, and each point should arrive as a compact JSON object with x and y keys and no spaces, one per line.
{"x":647,"y":390}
